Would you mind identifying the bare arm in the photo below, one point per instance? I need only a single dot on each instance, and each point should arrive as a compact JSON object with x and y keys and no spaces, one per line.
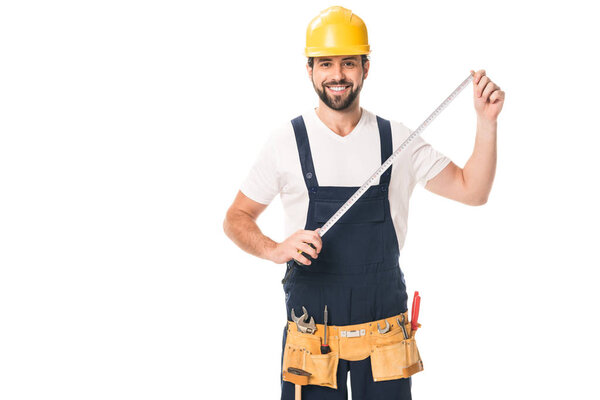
{"x":240,"y":226}
{"x":472,"y":184}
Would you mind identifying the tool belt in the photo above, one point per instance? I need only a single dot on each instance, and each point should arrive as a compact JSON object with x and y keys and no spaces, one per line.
{"x":392,"y":356}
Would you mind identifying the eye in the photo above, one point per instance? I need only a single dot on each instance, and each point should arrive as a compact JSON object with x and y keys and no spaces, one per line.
{"x":325,"y":64}
{"x":350,"y":64}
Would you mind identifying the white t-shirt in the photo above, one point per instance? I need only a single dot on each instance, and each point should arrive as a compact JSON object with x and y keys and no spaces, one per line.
{"x":339,"y":161}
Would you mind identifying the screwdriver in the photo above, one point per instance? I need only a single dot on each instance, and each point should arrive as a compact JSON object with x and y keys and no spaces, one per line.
{"x":325,"y":347}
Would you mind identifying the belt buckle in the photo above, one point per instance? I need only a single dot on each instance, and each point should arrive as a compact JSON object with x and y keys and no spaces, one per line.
{"x":355,"y":333}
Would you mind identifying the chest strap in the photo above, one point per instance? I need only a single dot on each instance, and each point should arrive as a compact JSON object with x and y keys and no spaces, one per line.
{"x":306,"y":159}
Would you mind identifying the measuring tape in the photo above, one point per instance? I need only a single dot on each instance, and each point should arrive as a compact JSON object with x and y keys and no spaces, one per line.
{"x":354,"y":198}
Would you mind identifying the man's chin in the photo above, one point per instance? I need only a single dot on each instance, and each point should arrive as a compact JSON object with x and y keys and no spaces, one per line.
{"x":336,"y":102}
{"x":340,"y":106}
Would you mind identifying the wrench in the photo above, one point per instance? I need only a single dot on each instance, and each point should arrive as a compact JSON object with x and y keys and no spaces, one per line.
{"x":303,"y":326}
{"x":384,"y":330}
{"x":401,"y":324}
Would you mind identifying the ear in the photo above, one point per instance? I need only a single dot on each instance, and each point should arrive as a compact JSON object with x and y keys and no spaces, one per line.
{"x":309,"y":70}
{"x":366,"y":69}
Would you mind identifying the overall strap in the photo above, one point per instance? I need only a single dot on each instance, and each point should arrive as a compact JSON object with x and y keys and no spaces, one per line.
{"x":385,"y":139}
{"x":306,"y":161}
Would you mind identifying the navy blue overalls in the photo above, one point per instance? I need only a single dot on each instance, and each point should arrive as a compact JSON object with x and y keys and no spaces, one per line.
{"x":357,"y":274}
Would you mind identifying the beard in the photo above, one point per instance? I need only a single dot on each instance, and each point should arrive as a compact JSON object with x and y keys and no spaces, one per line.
{"x":338,"y":102}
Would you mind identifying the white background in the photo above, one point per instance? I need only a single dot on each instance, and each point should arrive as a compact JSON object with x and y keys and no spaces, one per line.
{"x":127,"y":127}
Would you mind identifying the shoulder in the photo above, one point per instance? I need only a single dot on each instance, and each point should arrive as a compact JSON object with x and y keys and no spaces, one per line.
{"x":281,"y":135}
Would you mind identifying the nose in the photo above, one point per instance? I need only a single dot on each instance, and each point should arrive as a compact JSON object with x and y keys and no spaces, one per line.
{"x":337,"y":73}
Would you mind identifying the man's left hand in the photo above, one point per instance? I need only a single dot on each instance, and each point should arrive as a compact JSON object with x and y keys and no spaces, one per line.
{"x":487,"y":96}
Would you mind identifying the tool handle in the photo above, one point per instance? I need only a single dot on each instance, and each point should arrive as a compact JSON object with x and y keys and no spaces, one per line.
{"x":414,"y":323}
{"x":325,"y":349}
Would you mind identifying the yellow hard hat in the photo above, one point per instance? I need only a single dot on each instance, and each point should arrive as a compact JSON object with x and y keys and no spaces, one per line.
{"x":336,"y":32}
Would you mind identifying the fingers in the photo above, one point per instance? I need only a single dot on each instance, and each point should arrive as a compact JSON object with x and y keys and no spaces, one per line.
{"x":483,"y":81}
{"x":477,"y":75}
{"x":496,"y":96}
{"x":312,"y":237}
{"x":479,"y":81}
{"x":306,"y":248}
{"x":484,"y":88}
{"x":319,"y":241}
{"x":301,"y":241}
{"x":301,"y":259}
{"x":490,"y":87}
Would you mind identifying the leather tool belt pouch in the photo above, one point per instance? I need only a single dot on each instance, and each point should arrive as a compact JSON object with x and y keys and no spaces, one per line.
{"x":303,"y":351}
{"x":392,"y":356}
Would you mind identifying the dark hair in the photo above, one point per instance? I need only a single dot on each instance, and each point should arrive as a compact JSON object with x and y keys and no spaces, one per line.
{"x":364,"y":59}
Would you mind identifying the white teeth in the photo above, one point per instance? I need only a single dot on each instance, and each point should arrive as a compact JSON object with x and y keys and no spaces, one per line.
{"x":337,"y":88}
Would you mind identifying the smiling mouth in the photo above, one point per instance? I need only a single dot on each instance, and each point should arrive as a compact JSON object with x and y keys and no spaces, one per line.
{"x":337,"y":89}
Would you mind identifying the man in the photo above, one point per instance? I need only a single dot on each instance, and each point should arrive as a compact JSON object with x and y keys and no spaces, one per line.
{"x":316,"y":163}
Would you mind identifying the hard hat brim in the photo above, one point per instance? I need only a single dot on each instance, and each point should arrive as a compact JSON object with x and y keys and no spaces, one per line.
{"x":338,"y":51}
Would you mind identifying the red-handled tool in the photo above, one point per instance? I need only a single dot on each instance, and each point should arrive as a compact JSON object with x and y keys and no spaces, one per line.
{"x":414,"y":322}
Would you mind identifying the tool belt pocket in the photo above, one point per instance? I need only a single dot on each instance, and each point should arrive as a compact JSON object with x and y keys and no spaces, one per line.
{"x":395,"y":360}
{"x":303,"y":351}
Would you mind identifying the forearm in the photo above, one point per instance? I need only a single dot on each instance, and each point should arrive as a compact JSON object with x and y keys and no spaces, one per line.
{"x":242,"y":229}
{"x":479,"y":171}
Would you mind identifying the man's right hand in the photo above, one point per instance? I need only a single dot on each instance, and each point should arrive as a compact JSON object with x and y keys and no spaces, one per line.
{"x":299,"y":241}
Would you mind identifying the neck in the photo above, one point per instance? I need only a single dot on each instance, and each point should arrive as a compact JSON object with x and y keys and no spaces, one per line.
{"x":341,"y":122}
